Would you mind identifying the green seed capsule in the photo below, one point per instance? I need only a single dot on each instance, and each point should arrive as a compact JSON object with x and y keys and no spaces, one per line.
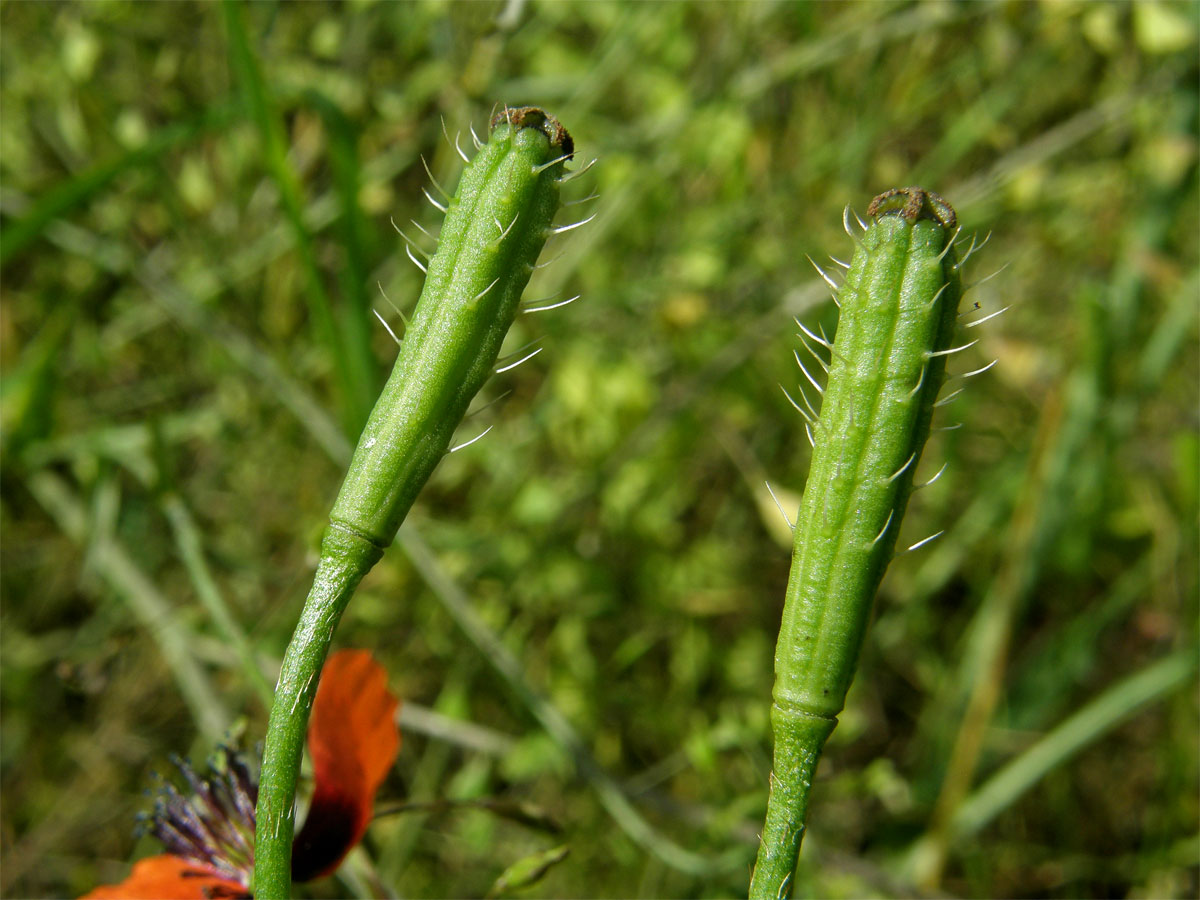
{"x":495,"y":228}
{"x":898,"y":305}
{"x":496,"y":225}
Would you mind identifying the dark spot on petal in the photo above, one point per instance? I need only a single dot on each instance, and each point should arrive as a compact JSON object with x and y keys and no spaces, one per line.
{"x":329,"y":833}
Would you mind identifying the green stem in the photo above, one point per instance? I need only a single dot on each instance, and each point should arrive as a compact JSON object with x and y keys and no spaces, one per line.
{"x":345,"y":558}
{"x":798,"y":742}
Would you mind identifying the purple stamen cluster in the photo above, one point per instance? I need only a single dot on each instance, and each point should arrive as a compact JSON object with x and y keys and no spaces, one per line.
{"x":214,"y":825}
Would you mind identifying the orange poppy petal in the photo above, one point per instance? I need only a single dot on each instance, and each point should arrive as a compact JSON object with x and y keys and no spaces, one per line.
{"x":169,"y":878}
{"x":353,"y":738}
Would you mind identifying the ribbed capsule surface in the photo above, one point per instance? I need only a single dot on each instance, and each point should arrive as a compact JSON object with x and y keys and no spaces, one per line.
{"x":898,"y":309}
{"x":495,"y":227}
{"x":899,"y":306}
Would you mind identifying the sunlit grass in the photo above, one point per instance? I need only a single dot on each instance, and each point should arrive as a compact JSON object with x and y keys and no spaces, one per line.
{"x":158,"y":350}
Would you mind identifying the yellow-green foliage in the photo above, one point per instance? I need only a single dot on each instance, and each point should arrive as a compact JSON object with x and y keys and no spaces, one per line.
{"x":174,"y":411}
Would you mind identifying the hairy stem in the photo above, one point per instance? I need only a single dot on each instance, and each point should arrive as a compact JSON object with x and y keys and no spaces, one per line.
{"x":345,"y":559}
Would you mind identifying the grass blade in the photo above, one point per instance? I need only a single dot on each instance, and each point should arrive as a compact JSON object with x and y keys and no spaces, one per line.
{"x":1093,"y":721}
{"x":85,"y":185}
{"x":356,"y":391}
{"x":145,"y":601}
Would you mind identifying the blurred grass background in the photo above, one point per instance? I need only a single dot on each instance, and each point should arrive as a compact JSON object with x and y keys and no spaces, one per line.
{"x":195,"y":228}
